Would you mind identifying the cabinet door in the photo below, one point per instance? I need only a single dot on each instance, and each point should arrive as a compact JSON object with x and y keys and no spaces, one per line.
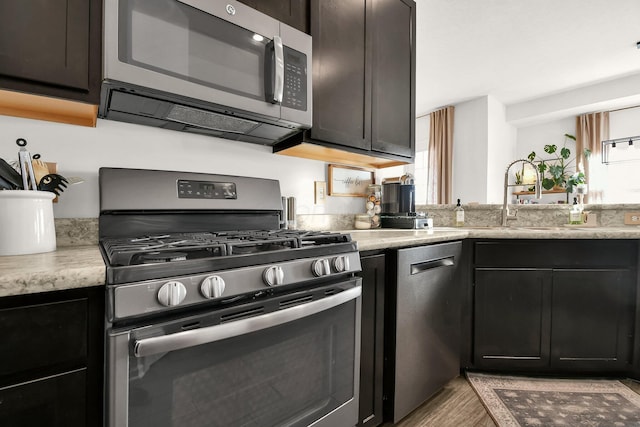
{"x":57,"y":401}
{"x":43,"y":338}
{"x":392,"y":38}
{"x":52,"y":47}
{"x":592,"y":315}
{"x":52,"y":373}
{"x":372,"y":341}
{"x":292,"y":12}
{"x":512,"y":318}
{"x":341,"y":87}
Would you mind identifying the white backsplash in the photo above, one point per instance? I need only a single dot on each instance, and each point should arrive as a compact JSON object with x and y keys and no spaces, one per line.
{"x":81,"y":151}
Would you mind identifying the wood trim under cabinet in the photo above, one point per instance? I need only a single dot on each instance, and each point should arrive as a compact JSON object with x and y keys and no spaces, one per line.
{"x":38,"y":107}
{"x":333,"y":155}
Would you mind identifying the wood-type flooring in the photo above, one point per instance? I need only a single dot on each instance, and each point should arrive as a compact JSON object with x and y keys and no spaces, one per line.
{"x":457,"y":405}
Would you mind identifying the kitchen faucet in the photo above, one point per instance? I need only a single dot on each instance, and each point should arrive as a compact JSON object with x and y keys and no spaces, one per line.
{"x":505,"y":206}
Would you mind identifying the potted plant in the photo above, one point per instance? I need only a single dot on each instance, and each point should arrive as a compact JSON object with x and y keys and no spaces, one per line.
{"x":518,"y":183}
{"x":554,"y":171}
{"x":576,"y":181}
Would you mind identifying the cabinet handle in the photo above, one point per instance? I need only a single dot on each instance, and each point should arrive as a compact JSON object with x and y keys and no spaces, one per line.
{"x":428,"y":265}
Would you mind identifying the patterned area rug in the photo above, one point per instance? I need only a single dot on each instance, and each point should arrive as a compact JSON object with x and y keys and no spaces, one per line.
{"x":524,"y":401}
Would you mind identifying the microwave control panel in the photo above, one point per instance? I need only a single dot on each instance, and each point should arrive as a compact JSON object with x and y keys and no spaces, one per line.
{"x":295,"y":80}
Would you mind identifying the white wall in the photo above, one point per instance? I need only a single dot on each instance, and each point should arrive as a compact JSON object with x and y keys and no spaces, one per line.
{"x":624,"y":123}
{"x":602,"y":96}
{"x":501,"y":146}
{"x":534,"y":138}
{"x":81,"y":151}
{"x":470,"y":156}
{"x":483,"y":144}
{"x":623,"y":178}
{"x":620,"y":179}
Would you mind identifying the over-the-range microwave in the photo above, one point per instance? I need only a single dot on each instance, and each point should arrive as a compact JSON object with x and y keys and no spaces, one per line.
{"x":210,"y":67}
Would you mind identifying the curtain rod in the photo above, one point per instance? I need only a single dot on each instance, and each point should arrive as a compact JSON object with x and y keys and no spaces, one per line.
{"x":625,"y":108}
{"x":610,"y":111}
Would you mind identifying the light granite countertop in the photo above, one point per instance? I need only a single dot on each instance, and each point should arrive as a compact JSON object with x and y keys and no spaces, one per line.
{"x":67,"y":267}
{"x":82,"y":266}
{"x":391,"y":238}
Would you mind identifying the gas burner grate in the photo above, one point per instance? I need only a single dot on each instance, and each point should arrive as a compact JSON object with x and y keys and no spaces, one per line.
{"x":146,"y":249}
{"x":161,"y":248}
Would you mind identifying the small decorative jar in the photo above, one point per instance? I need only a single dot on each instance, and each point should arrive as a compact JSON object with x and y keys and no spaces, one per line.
{"x":362,"y":222}
{"x":372,"y":204}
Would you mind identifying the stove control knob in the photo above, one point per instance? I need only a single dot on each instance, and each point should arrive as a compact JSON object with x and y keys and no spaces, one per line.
{"x":321,"y":267}
{"x":212,"y":287}
{"x":273,"y":275}
{"x":341,"y":263}
{"x":172,"y":293}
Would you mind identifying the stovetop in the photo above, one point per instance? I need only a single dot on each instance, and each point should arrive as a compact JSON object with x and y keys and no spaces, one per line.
{"x":162,"y":255}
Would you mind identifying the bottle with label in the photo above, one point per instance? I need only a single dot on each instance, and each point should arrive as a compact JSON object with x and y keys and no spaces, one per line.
{"x":575,"y":215}
{"x":458,"y":215}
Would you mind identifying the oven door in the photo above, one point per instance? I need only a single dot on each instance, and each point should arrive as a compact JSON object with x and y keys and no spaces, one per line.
{"x":290,"y":360}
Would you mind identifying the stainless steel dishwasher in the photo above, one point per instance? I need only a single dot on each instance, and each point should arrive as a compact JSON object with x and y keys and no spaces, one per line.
{"x":423,"y":341}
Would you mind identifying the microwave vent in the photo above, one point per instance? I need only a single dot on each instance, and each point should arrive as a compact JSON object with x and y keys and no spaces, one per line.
{"x":210,"y":120}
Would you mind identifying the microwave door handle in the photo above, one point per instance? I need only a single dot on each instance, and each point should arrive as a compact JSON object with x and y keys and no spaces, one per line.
{"x":181,"y":340}
{"x":278,"y":75}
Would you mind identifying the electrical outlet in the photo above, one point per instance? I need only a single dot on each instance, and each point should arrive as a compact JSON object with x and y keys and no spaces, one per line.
{"x":320,"y":192}
{"x":632,"y":218}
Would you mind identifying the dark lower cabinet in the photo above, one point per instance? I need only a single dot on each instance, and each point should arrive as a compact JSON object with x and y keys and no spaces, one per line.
{"x":57,"y":401}
{"x":52,"y":48}
{"x":51,"y":362}
{"x":512,"y":318}
{"x":372,"y":340}
{"x":592,"y":314}
{"x":572,"y":309}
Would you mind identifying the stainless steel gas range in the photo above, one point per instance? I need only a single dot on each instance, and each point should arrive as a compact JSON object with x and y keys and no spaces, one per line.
{"x":215,"y":317}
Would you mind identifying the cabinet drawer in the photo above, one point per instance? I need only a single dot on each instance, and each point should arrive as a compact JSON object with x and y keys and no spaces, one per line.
{"x":42,"y":336}
{"x":57,"y":401}
{"x":556,"y":253}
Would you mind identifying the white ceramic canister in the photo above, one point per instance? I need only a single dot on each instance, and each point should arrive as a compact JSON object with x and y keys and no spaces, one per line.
{"x":26,"y":222}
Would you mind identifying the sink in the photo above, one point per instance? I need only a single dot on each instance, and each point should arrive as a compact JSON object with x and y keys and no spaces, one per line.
{"x":472,"y":227}
{"x":550,"y":228}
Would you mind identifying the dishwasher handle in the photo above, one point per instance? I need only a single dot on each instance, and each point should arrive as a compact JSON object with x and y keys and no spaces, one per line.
{"x":420,"y":267}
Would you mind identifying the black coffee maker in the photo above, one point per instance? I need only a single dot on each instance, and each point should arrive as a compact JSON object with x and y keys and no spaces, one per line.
{"x":399,"y":204}
{"x":398,"y":199}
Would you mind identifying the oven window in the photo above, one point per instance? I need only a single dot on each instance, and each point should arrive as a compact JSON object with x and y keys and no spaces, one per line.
{"x":180,"y":41}
{"x":292,"y":374}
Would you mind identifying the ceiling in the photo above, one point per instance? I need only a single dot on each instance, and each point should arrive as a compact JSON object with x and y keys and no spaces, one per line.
{"x":518,"y":50}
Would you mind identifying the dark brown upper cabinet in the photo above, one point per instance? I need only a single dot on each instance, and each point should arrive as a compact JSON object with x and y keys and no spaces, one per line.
{"x":363,"y":83}
{"x":292,"y":12}
{"x":51,"y":48}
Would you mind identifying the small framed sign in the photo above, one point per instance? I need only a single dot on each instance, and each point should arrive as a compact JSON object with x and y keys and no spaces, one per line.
{"x":349,"y":181}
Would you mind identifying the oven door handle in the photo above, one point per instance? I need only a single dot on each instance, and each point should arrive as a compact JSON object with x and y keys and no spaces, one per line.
{"x":192,"y":338}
